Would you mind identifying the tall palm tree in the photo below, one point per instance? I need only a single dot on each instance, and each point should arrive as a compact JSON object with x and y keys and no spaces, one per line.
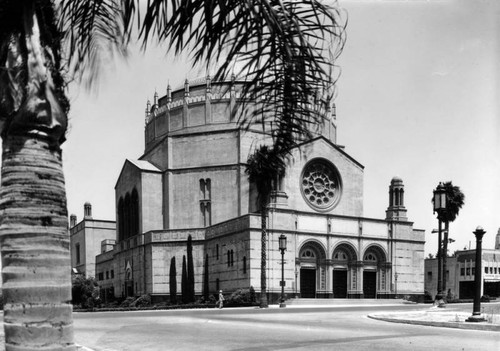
{"x":264,"y":167}
{"x":455,"y":199}
{"x":35,"y":36}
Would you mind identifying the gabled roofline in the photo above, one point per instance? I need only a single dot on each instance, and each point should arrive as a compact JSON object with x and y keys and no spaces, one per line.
{"x":335,"y":146}
{"x":135,"y":165}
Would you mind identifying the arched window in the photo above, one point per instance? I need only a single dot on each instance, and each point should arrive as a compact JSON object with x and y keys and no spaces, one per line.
{"x":308,"y":253}
{"x":134,"y":212}
{"x":205,"y":202}
{"x":340,"y":255}
{"x":127,"y":219}
{"x":217,"y":251}
{"x":396,"y":195}
{"x":121,"y":218}
{"x":370,"y":257}
{"x":244,"y":265}
{"x":228,"y":258}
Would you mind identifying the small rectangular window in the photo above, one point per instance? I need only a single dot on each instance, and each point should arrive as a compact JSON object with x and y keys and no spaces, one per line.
{"x":462,"y":271}
{"x":486,"y":270}
{"x":429,"y":275}
{"x":77,"y":253}
{"x":107,"y":274}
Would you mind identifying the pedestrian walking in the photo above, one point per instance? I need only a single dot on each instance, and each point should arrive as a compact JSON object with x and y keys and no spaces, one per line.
{"x":221,"y":299}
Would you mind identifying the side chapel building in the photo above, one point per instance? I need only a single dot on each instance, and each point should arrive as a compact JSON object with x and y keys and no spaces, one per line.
{"x":191,"y":181}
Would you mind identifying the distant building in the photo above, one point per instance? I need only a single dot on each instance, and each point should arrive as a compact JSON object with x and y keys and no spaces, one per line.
{"x":191,"y":181}
{"x":461,"y":271}
{"x":86,"y":240}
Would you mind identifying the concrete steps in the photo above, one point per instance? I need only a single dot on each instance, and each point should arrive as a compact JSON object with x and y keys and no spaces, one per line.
{"x":341,"y":302}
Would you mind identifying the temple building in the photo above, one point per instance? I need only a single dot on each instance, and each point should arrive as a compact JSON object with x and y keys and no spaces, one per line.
{"x":191,"y":181}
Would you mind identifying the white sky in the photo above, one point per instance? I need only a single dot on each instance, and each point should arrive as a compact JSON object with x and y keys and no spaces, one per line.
{"x":417,"y":98}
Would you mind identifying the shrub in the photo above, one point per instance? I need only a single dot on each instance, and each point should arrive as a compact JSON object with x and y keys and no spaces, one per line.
{"x":85,"y":292}
{"x":485,"y":298}
{"x":241,"y":297}
{"x":127,"y":302}
{"x":142,"y":301}
{"x":428,"y":297}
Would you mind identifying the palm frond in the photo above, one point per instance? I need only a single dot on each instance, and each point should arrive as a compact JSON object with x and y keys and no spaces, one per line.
{"x":264,"y":167}
{"x":286,"y":50}
{"x":93,"y":32}
{"x":455,"y":199}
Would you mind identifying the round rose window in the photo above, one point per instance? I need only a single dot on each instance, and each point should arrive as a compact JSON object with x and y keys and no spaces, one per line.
{"x":321,"y":185}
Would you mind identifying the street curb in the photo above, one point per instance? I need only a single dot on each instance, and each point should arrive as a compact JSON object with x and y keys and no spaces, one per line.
{"x":456,"y":325}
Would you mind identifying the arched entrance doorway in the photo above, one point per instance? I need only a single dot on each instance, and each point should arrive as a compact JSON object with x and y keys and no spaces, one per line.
{"x":312,"y":270}
{"x":344,"y":257}
{"x":374,"y":272}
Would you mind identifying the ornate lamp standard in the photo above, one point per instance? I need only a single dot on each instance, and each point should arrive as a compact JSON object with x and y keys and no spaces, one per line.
{"x":282,"y":246}
{"x":476,"y":311}
{"x":439,"y":202}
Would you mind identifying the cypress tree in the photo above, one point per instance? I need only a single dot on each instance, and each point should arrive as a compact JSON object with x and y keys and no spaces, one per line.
{"x":190,"y":270}
{"x":184,"y":283}
{"x":173,"y":281}
{"x":205,"y":279}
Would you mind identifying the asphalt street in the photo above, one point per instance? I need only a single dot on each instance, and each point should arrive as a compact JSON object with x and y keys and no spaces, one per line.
{"x":325,"y":328}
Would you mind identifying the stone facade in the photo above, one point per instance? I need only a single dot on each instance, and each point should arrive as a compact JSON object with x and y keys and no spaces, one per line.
{"x":191,"y":181}
{"x":86,"y":240}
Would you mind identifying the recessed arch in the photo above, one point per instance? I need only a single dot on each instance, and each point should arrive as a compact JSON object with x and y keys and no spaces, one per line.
{"x":134,"y":212}
{"x":375,"y":251}
{"x":121,"y":220}
{"x":347,"y":249}
{"x":314,"y":247}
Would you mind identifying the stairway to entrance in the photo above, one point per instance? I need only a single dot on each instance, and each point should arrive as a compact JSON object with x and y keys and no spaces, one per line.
{"x":341,"y":302}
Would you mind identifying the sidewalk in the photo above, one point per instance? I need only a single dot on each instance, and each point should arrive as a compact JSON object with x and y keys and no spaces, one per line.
{"x":452,"y":316}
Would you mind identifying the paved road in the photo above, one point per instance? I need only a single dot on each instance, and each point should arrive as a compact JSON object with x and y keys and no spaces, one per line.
{"x":332,"y":328}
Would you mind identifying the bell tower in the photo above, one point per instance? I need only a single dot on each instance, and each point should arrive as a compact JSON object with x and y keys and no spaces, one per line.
{"x":396,"y":210}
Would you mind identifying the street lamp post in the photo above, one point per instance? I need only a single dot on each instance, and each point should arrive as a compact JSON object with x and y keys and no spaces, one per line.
{"x":476,"y":311}
{"x":282,"y":246}
{"x":439,"y":202}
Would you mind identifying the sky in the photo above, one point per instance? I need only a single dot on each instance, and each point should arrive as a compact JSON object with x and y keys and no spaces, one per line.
{"x":416,"y":99}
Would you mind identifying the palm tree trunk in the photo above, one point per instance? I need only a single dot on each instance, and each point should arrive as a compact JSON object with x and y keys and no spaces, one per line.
{"x":445,"y":253}
{"x":34,"y":237}
{"x":34,"y":245}
{"x":263,"y":258}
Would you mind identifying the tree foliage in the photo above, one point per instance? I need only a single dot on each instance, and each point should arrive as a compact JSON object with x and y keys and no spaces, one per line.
{"x":173,"y":281}
{"x":285,"y":50}
{"x":184,"y":281}
{"x":455,"y":199}
{"x":206,"y":287}
{"x":85,"y":291}
{"x":264,"y":168}
{"x":190,"y":270}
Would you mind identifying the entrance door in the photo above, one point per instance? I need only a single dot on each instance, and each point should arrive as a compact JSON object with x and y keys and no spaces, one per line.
{"x":307,"y":283}
{"x":340,"y":284}
{"x":370,"y":284}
